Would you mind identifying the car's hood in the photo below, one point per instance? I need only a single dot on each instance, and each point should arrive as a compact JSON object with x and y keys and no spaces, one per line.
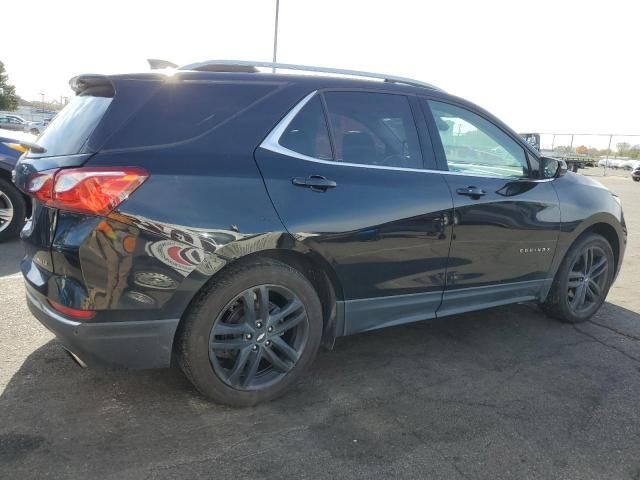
{"x":583,"y":180}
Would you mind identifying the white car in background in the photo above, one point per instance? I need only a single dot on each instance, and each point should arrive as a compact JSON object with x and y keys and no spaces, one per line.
{"x":611,"y":163}
{"x":630,"y":164}
{"x":36,"y":128}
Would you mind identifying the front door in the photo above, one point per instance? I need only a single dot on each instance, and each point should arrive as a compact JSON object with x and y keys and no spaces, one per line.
{"x":351,"y":186}
{"x":506,"y":223}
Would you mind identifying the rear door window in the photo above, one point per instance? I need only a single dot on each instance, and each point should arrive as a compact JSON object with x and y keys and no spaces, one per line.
{"x":373,"y":129}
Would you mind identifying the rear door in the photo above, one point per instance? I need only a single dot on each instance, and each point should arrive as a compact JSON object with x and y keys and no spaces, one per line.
{"x":63,"y":143}
{"x":346,"y":173}
{"x":506,"y":222}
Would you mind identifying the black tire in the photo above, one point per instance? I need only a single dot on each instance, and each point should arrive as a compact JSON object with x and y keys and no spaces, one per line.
{"x":636,"y":179}
{"x":10,"y":197}
{"x":34,"y":131}
{"x":563,"y":300}
{"x":198,"y":332}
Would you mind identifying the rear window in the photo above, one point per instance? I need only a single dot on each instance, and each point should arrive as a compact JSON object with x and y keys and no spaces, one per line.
{"x":70,"y":129}
{"x":183,"y":110}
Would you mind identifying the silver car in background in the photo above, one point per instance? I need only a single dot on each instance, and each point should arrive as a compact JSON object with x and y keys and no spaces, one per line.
{"x":13,"y":122}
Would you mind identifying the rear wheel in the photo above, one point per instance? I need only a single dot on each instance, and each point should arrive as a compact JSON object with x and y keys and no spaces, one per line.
{"x":251,"y":334}
{"x":636,"y":179}
{"x":12,"y":211}
{"x":583,"y":280}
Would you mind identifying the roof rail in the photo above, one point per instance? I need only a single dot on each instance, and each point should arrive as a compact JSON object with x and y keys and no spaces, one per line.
{"x":305,"y":68}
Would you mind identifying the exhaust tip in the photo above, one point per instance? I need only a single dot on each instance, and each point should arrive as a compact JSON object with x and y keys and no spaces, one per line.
{"x":76,"y":359}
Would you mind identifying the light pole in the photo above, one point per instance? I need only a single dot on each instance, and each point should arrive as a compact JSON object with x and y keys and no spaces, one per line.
{"x":275,"y":36}
{"x":606,"y":160}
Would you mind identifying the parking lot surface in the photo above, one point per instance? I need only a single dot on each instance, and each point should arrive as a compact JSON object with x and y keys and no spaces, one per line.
{"x":503,"y":393}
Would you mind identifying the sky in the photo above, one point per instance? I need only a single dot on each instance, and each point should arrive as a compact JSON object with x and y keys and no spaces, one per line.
{"x":539,"y":65}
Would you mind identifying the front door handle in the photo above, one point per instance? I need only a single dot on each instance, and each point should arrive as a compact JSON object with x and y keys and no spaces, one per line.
{"x":471,"y":192}
{"x":317,"y":183}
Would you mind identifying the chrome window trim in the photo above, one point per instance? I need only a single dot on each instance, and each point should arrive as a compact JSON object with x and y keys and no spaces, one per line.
{"x":272,"y":143}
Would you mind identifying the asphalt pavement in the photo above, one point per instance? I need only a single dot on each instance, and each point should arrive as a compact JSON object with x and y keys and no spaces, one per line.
{"x":505,"y":393}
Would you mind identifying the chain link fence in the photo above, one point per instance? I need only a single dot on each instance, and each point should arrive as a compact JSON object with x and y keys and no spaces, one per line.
{"x":598,"y":154}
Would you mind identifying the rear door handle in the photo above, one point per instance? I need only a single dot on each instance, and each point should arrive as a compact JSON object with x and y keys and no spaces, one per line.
{"x":471,"y":191}
{"x":316,"y":183}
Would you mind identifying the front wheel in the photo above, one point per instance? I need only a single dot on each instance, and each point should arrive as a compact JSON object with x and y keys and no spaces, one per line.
{"x":251,"y":334}
{"x":583,"y":280}
{"x":13,"y":209}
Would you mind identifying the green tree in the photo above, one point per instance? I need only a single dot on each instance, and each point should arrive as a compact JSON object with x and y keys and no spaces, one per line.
{"x":634,"y":152}
{"x":8,"y":97}
{"x":563,"y":149}
{"x":622,"y":147}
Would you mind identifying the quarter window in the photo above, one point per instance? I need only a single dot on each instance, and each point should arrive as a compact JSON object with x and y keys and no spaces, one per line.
{"x":307,"y":133}
{"x":373,"y":129}
{"x":475,"y":146}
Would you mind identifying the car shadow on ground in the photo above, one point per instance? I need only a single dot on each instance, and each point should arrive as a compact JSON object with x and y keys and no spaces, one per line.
{"x":467,"y":396}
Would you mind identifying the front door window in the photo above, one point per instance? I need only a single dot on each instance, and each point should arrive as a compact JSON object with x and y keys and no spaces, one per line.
{"x":474,"y":146}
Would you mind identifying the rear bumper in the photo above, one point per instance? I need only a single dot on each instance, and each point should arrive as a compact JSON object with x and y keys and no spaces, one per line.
{"x":136,"y":345}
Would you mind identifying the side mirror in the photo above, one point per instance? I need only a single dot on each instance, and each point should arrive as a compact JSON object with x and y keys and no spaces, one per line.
{"x":552,"y":167}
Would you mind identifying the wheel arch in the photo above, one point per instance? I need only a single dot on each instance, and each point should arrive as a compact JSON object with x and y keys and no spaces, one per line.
{"x":310,"y":264}
{"x":323,"y":278}
{"x":6,"y":175}
{"x":608,"y":226}
{"x":601,"y":225}
{"x":609,"y":233}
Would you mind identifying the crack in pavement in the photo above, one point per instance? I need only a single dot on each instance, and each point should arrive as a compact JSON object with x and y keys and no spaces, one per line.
{"x":630,"y":357}
{"x":628,"y":335}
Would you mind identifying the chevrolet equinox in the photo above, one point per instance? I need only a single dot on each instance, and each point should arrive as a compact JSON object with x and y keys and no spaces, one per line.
{"x":235,"y":220}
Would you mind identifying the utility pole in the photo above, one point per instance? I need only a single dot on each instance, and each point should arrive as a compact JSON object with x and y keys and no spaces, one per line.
{"x":606,"y":160}
{"x":571,"y":146}
{"x":275,"y":36}
{"x":42,"y":95}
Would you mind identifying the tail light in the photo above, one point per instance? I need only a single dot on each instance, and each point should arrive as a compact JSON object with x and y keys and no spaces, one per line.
{"x":72,"y":312}
{"x":94,"y":190}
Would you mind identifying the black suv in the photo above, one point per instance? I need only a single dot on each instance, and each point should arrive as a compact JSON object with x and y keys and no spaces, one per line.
{"x":235,"y":221}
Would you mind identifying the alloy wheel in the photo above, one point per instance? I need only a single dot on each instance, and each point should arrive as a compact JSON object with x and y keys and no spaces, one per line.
{"x":259,"y":337}
{"x":587,"y":279}
{"x":6,"y":211}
